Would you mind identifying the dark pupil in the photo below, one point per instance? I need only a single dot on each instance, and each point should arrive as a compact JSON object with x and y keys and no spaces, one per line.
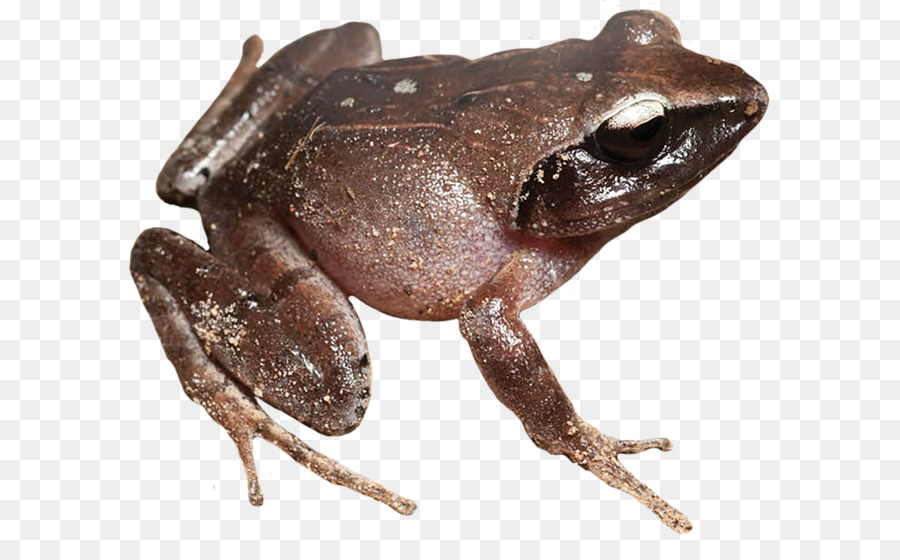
{"x":646,"y":131}
{"x":627,"y":144}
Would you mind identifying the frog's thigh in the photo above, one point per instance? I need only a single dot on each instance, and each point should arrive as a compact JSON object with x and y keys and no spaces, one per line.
{"x":302,"y":350}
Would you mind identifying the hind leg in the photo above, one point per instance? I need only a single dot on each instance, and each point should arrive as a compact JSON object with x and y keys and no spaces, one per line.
{"x":295,"y":346}
{"x":254,"y":96}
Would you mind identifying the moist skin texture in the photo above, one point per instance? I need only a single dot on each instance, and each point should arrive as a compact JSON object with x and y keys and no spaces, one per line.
{"x":431,"y":188}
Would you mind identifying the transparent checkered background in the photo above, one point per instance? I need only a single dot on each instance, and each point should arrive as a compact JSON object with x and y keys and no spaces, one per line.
{"x":755,"y":323}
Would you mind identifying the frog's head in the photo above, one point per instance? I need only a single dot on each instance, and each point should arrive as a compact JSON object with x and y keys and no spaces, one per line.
{"x":655,"y":120}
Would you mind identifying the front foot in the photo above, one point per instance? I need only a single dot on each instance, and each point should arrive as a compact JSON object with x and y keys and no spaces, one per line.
{"x":598,"y":453}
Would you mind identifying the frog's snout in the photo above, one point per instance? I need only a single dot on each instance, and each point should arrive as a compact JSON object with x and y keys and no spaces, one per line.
{"x":745,"y":100}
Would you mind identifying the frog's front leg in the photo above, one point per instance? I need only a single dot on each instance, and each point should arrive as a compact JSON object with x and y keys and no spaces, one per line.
{"x":231,"y":345}
{"x":516,"y":371}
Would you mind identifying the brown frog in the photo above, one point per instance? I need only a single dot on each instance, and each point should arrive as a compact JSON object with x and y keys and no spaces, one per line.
{"x":430,"y":188}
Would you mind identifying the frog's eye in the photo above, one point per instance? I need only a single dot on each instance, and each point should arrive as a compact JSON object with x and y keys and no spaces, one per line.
{"x":636,"y":132}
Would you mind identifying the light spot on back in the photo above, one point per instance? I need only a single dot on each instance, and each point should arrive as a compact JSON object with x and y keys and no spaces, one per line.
{"x":405,"y":86}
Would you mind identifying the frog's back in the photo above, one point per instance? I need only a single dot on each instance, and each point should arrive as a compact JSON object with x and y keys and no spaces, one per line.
{"x":386,"y":207}
{"x":381,"y":189}
{"x":402,"y":177}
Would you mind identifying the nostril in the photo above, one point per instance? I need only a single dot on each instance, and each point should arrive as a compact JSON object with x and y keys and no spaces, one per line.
{"x":729,"y":105}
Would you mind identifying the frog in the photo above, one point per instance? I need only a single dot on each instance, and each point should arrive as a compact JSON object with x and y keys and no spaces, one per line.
{"x":430,"y":188}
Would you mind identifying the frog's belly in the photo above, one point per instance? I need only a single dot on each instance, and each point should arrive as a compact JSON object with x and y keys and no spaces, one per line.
{"x":416,"y":257}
